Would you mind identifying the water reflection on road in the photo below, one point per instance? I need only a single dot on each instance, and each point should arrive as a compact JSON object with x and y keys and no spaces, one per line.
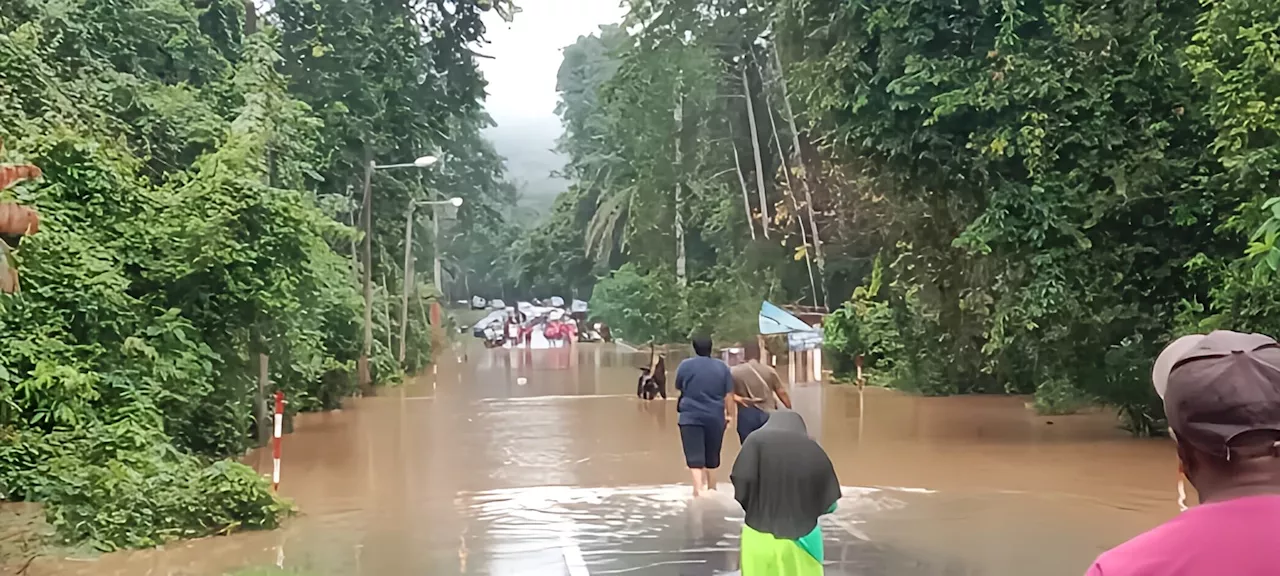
{"x":468,"y":471}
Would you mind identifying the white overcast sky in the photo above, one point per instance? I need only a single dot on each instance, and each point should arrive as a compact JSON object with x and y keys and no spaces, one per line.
{"x":522,"y":81}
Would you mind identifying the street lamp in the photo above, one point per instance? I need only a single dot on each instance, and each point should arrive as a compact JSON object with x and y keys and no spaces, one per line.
{"x":362,"y":365}
{"x":408,"y":259}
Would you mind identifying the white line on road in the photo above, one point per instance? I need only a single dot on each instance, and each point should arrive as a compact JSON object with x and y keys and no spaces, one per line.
{"x":573,"y":556}
{"x":849,"y":528}
{"x":543,"y":399}
{"x":667,"y":563}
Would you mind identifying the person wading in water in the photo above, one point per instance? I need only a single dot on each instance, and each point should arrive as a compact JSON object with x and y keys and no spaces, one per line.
{"x":785,"y":482}
{"x":1221,"y":392}
{"x":653,"y":378}
{"x":706,"y":406}
{"x":754,"y":387}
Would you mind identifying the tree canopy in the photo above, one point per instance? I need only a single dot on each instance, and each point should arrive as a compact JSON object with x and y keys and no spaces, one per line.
{"x":1017,"y":197}
{"x":199,"y":159}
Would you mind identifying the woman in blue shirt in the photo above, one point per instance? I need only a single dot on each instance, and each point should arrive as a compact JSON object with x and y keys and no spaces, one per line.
{"x":706,"y":406}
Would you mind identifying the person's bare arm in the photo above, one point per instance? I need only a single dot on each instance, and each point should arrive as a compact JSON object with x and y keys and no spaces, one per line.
{"x":738,"y":399}
{"x":783,"y":397}
{"x":781,"y":390}
{"x":730,"y":399}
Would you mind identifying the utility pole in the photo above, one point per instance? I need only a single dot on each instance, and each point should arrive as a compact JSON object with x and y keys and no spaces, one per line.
{"x":409,"y":279}
{"x":755,"y":149}
{"x":407,"y":285}
{"x":435,"y":245}
{"x":366,"y":379}
{"x":804,"y":176}
{"x":362,"y":365}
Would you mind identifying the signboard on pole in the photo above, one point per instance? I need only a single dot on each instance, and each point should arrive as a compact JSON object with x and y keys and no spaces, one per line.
{"x":804,"y":341}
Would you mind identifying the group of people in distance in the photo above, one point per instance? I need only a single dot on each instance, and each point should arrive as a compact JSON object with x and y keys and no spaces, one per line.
{"x":1221,"y":394}
{"x":559,"y":328}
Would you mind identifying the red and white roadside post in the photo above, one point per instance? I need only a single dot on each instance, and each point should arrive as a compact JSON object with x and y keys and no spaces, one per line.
{"x":275,"y":441}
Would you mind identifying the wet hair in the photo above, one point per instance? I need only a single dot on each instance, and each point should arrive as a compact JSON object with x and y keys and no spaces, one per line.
{"x":702,"y":345}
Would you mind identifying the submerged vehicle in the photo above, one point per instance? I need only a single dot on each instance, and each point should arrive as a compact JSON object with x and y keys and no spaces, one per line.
{"x":493,"y":336}
{"x":595,"y":332}
{"x":494,"y":318}
{"x":588,"y":331}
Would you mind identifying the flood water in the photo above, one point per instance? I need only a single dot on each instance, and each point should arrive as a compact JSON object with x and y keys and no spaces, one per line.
{"x":467,"y":471}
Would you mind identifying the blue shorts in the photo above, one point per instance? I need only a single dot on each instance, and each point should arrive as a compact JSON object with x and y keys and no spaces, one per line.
{"x":750,"y":419}
{"x":701,"y":444}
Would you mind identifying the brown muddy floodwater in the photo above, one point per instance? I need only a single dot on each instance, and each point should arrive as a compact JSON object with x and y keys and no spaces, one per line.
{"x":467,"y":471}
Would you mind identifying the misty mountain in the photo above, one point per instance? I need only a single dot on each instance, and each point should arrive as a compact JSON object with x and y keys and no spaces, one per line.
{"x":527,"y":144}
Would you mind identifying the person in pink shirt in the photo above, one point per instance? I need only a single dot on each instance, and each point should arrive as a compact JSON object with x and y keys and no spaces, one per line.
{"x":1221,"y":392}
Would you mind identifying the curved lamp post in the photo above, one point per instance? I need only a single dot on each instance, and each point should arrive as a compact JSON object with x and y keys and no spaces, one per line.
{"x":408,"y":260}
{"x":362,"y":366}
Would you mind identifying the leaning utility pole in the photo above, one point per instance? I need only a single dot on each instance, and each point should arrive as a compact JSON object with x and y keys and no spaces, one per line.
{"x":755,"y":148}
{"x":804,"y":176}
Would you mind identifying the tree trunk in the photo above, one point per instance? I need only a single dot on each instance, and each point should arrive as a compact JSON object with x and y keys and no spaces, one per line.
{"x":260,"y":408}
{"x":250,"y":18}
{"x":680,"y":255}
{"x":755,"y":148}
{"x":804,"y":180}
{"x":742,"y":181}
{"x":386,"y":310}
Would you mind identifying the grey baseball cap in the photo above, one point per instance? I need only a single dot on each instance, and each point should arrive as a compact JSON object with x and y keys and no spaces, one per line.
{"x":1218,"y":386}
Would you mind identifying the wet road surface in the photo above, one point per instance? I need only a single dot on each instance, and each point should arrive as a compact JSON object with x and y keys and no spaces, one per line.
{"x":467,"y":471}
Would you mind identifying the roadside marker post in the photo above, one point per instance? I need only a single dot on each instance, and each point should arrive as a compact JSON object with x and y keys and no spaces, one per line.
{"x":275,"y":442}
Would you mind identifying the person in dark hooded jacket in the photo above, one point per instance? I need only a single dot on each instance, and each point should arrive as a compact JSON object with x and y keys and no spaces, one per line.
{"x":784,"y":482}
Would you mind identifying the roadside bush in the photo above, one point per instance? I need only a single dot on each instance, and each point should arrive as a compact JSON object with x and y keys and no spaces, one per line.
{"x":895,"y":333}
{"x":640,"y":306}
{"x":652,"y":306}
{"x":124,"y":485}
{"x":164,"y":264}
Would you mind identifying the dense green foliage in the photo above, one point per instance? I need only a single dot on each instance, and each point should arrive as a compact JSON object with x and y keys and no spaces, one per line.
{"x":1002,"y":197}
{"x":199,"y":167}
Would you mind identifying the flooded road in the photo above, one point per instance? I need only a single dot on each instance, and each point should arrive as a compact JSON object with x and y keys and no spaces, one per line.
{"x":543,"y":462}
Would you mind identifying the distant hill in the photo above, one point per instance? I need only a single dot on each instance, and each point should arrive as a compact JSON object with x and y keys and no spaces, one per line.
{"x":527,"y":145}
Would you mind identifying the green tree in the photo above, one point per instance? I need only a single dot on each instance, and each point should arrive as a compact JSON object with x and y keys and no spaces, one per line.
{"x":1054,"y":189}
{"x":192,"y":218}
